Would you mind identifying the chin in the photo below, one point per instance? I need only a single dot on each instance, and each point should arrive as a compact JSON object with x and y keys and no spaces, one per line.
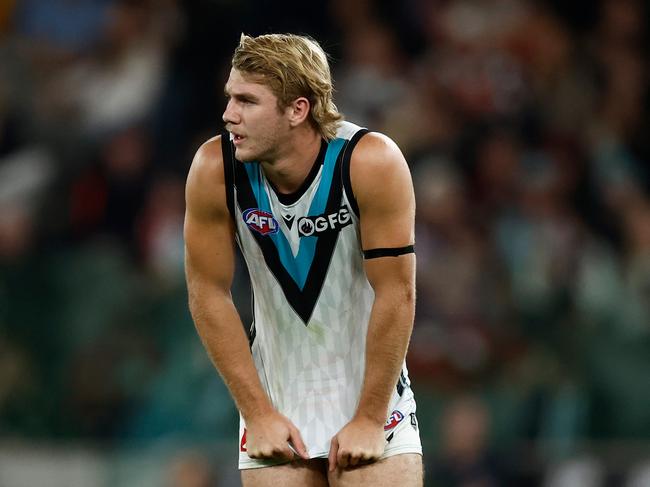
{"x":244,"y":156}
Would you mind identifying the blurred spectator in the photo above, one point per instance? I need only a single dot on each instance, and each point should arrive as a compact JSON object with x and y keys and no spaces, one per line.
{"x":71,"y":25}
{"x":107,"y":196}
{"x":467,"y":51}
{"x":455,"y":278}
{"x":105,"y":376}
{"x":465,"y":459}
{"x":538,"y":241}
{"x":160,"y":227}
{"x":374,"y":78}
{"x":25,"y":177}
{"x":120,"y":87}
{"x":497,"y":173}
{"x":100,"y":67}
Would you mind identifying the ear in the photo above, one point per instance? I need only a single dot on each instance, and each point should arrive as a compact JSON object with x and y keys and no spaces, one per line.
{"x":298,"y":111}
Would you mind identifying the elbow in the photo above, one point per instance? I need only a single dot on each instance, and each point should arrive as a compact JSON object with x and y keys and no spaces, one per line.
{"x":407,"y":297}
{"x":401,"y":295}
{"x":409,"y":294}
{"x":195,"y":305}
{"x":201,"y":298}
{"x":196,"y":299}
{"x":192,"y":302}
{"x":404,"y":290}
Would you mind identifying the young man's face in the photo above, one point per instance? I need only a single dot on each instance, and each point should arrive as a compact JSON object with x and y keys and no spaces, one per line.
{"x":253,"y":118}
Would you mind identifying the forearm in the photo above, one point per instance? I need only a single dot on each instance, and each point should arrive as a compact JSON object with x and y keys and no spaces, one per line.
{"x":221,"y":331}
{"x":389,"y":331}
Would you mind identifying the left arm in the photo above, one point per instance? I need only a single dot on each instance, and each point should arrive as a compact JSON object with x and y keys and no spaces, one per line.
{"x":384,"y":191}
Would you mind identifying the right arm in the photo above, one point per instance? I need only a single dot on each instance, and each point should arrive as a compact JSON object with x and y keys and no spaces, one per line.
{"x":209,"y":269}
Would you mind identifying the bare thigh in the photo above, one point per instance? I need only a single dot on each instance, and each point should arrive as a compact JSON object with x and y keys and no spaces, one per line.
{"x":403,"y":470}
{"x":299,"y":473}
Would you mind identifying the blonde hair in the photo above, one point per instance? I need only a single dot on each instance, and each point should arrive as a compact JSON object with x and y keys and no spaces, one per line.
{"x":292,"y":66}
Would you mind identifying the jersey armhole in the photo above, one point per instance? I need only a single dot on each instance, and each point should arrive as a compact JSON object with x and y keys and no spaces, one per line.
{"x":345,"y":169}
{"x":228,"y":172}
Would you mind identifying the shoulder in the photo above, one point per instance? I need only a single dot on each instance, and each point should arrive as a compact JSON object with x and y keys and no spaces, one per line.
{"x":206,"y":179}
{"x":376,"y":151}
{"x":208,"y":161}
{"x":376,"y":163}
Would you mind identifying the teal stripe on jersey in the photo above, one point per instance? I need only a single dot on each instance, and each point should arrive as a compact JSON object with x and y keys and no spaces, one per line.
{"x":319,"y":202}
{"x":298,"y":267}
{"x":253,"y":170}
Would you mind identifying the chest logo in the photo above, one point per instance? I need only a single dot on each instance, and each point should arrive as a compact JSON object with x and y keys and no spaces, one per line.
{"x":315,"y":225}
{"x":260,"y":221}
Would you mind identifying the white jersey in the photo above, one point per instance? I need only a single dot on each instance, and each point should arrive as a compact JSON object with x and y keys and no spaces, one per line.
{"x":312,"y":299}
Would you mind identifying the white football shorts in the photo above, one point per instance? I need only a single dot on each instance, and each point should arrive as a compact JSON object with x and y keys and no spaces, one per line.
{"x":401,"y":431}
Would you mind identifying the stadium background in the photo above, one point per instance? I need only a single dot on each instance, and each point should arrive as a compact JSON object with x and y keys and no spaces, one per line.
{"x":526,"y":127}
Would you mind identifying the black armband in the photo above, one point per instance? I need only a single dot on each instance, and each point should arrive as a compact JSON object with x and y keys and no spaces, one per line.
{"x":388,"y":252}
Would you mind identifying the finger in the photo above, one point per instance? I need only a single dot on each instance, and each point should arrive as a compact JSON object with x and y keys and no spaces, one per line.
{"x":343,"y":459}
{"x":368,"y":458}
{"x":298,"y":444}
{"x":285,"y":453}
{"x":334,"y":450}
{"x":259,"y":454}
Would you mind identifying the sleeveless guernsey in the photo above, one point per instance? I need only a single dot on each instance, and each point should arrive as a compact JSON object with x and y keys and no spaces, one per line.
{"x":311,"y":296}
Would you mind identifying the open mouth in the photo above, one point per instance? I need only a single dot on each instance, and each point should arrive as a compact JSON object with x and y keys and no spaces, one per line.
{"x":237,"y":138}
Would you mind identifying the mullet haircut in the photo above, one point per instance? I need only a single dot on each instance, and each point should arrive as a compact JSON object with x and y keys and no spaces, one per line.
{"x":292,"y":66}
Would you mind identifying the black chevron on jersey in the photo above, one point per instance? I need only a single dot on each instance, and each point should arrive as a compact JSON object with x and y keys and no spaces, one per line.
{"x":303,"y":301}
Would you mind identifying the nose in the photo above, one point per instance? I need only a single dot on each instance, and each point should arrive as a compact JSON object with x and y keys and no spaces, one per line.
{"x":230,"y":114}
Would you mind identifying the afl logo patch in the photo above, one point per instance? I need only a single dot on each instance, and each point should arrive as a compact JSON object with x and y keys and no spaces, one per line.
{"x":393,"y":420}
{"x":242,"y":443}
{"x":260,"y":221}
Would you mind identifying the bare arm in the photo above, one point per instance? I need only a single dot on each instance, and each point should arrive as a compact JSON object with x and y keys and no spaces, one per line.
{"x":382,"y":185}
{"x":209,"y":267}
{"x":387,"y":208}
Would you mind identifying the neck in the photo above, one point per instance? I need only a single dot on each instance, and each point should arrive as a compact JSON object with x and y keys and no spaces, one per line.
{"x":288,"y":171}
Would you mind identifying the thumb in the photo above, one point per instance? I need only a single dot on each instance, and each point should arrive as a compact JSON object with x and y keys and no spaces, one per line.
{"x":334,"y":449}
{"x":298,"y":444}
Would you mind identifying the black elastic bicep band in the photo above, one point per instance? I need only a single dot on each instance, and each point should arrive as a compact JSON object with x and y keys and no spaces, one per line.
{"x":387,"y":252}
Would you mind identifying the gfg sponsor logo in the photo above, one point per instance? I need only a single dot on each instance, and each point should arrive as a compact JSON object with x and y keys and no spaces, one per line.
{"x":260,"y":221}
{"x":315,"y":225}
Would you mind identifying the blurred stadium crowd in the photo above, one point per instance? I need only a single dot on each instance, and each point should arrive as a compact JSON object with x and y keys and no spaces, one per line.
{"x":526,"y":127}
